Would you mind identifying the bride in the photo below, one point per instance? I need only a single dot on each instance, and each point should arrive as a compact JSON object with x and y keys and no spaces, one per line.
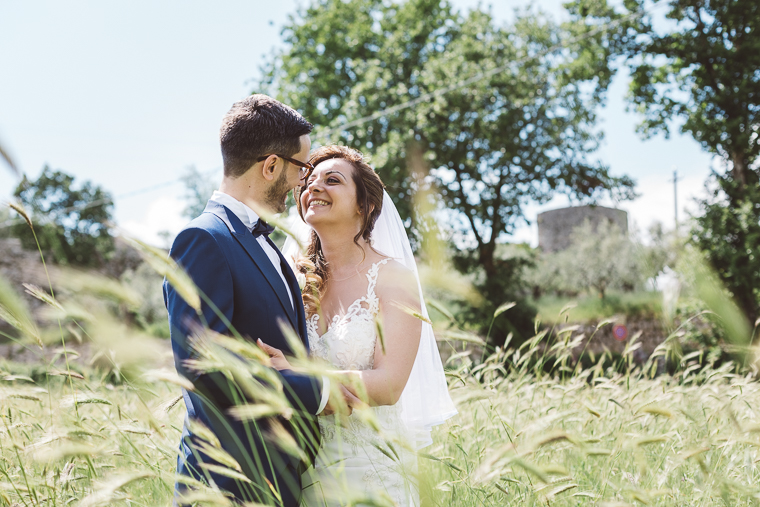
{"x":360,"y":277}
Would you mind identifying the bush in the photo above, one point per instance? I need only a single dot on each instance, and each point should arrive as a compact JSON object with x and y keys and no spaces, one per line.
{"x":509,"y":285}
{"x":728,"y":232}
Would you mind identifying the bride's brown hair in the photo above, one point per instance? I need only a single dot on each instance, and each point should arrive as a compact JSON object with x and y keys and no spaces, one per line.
{"x":369,"y":197}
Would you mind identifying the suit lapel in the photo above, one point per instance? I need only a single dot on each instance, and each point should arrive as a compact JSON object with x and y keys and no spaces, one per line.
{"x":259,"y":257}
{"x":297,"y":298}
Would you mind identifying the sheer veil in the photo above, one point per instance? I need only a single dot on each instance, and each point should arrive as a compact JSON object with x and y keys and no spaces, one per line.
{"x":425,"y":401}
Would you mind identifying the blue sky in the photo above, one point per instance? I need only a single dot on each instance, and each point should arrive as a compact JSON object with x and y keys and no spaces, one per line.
{"x":128,"y":94}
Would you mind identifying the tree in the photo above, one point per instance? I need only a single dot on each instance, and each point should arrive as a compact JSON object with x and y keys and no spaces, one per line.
{"x":702,"y":73}
{"x":662,"y":252}
{"x":522,"y":130}
{"x":728,"y":232}
{"x":198,"y":189}
{"x":598,"y":259}
{"x":699,"y":73}
{"x":70,"y":224}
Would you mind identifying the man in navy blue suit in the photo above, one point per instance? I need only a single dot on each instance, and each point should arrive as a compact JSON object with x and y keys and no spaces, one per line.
{"x":228,"y":254}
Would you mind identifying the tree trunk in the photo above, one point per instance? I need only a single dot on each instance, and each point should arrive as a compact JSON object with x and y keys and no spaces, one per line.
{"x":739,"y":169}
{"x":486,"y":257}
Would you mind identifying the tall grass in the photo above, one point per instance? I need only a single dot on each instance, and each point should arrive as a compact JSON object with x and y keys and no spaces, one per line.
{"x":597,"y":437}
{"x":525,"y":435}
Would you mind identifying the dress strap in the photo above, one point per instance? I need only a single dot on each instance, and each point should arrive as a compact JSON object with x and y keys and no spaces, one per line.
{"x":372,"y":279}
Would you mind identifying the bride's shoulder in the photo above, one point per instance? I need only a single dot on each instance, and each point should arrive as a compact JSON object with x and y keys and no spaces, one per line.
{"x":394,"y":276}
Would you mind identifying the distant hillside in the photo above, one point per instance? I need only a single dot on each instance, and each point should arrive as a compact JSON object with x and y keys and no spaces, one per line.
{"x":19,"y":266}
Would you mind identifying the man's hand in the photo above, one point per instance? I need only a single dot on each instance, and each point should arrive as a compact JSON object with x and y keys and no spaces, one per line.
{"x":343,"y":406}
{"x":276,"y":356}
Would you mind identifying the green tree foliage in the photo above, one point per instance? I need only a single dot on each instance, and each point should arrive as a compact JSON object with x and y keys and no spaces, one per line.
{"x":661,"y":252}
{"x":522,"y":129}
{"x":728,"y":231}
{"x":70,"y":223}
{"x":699,"y":73}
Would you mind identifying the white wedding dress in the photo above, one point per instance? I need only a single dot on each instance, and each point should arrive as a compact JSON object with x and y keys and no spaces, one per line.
{"x":356,"y":462}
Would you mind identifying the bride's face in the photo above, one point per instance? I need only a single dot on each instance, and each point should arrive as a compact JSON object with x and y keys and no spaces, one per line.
{"x":329,"y":196}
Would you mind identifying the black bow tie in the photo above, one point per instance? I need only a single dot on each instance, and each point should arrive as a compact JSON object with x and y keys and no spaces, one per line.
{"x":261,"y":227}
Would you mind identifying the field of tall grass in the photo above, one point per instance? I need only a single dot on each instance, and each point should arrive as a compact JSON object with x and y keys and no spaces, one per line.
{"x":533,"y":428}
{"x":522,"y":437}
{"x":96,"y":420}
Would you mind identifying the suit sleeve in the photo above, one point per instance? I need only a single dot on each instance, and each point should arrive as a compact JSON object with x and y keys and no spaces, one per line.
{"x":198,"y":253}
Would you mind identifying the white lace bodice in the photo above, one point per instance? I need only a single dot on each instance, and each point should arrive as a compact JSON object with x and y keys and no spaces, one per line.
{"x":349,"y":341}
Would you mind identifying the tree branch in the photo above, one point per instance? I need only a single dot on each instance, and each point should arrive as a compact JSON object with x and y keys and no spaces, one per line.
{"x":468,"y":208}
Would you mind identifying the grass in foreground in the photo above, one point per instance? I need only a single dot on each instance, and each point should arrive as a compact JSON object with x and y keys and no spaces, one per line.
{"x":599,"y":438}
{"x":521,"y":438}
{"x":86,"y":441}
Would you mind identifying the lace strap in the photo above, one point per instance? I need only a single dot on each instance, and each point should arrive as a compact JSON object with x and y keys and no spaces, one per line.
{"x":372,"y":278}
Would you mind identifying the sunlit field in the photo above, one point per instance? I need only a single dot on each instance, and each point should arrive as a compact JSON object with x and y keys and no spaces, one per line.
{"x":533,"y":428}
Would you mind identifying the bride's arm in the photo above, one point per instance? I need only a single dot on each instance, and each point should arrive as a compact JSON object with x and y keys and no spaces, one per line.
{"x":383,"y":384}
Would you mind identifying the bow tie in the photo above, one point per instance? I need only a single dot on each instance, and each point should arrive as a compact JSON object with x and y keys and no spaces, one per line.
{"x":261,"y":227}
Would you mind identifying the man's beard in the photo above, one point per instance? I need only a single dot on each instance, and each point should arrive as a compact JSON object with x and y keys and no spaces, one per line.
{"x":277,"y":194}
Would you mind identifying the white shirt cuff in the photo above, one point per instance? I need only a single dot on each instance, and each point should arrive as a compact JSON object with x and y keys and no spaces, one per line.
{"x":325,"y":394}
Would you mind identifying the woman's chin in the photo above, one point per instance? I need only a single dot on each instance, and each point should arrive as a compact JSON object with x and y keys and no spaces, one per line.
{"x":311,"y":218}
{"x":315,"y":213}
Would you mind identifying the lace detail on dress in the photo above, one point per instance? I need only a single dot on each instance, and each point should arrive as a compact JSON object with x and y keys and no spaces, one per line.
{"x":349,"y":341}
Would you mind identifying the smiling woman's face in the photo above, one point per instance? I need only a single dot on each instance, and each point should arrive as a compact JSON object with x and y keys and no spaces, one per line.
{"x":330,"y":195}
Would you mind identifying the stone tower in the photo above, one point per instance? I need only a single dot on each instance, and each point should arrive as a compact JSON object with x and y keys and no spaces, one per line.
{"x":555,"y":227}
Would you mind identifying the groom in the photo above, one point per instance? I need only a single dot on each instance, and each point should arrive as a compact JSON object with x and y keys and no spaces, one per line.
{"x":228,"y":254}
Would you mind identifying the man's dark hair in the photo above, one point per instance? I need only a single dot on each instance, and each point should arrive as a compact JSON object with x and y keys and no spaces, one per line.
{"x":257,"y":126}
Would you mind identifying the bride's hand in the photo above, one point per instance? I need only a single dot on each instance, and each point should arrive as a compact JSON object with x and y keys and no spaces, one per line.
{"x":275,"y":356}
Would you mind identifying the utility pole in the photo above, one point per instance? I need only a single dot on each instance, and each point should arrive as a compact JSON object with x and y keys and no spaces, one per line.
{"x":675,"y":197}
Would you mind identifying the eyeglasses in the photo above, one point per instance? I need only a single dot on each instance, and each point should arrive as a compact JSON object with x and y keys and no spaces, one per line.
{"x":305,"y":167}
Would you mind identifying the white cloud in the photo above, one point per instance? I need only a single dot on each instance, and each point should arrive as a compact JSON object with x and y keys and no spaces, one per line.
{"x":161,"y":214}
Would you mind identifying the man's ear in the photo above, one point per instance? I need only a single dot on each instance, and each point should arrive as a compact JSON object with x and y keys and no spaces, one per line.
{"x":269,"y":167}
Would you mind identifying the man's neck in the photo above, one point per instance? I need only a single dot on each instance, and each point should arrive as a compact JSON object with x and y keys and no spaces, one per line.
{"x":243,"y":190}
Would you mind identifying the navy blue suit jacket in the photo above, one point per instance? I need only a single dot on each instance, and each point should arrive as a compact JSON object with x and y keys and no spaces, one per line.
{"x":229,"y":266}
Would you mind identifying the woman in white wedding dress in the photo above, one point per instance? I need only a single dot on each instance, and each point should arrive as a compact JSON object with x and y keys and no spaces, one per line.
{"x":361,"y":277}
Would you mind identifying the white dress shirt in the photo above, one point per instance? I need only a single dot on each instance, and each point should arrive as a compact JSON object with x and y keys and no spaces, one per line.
{"x":249,"y":219}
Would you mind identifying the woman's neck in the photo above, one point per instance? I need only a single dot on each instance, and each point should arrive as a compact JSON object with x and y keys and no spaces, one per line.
{"x":341,"y":253}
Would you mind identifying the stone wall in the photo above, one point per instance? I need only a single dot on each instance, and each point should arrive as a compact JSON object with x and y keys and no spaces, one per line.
{"x":555,"y":227}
